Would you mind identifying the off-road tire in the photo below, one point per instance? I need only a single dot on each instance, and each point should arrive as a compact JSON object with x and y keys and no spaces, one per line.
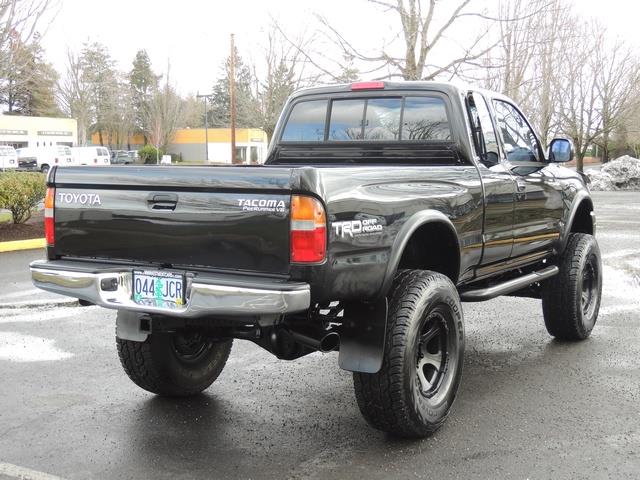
{"x":158,"y":367}
{"x":570,"y":310}
{"x":392,"y":400}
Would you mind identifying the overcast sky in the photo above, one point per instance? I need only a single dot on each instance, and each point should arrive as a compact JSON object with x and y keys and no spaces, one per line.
{"x":194,"y":35}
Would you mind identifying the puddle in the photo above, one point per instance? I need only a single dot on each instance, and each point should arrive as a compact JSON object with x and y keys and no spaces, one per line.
{"x":17,"y":347}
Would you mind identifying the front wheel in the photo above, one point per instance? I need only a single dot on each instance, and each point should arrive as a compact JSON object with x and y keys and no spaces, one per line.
{"x":174,"y":364}
{"x":414,"y":390}
{"x":571,"y":299}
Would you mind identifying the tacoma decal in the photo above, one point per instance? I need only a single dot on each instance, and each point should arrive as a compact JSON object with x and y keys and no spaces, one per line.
{"x":261,"y":205}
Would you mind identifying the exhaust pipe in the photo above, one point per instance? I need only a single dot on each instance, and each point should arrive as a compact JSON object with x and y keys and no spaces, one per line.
{"x":330,"y":342}
{"x":327,"y":343}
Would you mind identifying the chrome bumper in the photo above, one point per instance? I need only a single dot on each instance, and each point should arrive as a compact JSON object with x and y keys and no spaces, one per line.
{"x":206,"y":295}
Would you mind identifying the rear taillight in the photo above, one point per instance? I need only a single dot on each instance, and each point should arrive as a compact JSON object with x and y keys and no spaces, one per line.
{"x":308,"y":230}
{"x":49,"y":228}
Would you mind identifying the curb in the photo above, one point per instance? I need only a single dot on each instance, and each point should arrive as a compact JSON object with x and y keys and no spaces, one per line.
{"x":54,"y":302}
{"x":16,"y":245}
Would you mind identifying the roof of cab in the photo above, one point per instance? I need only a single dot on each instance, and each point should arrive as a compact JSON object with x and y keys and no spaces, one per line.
{"x":450,"y":88}
{"x":445,"y":87}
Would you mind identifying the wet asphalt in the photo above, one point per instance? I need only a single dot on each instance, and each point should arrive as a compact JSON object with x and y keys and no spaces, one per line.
{"x":529,"y":407}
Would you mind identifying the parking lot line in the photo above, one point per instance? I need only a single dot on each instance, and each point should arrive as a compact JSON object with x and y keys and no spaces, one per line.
{"x":16,"y":471}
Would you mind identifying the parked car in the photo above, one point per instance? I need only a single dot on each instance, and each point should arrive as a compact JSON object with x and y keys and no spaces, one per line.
{"x":95,"y":155}
{"x":114,"y":153}
{"x":381,"y":207}
{"x":134,"y":155}
{"x":8,"y":157}
{"x":43,"y":158}
{"x":121,"y":157}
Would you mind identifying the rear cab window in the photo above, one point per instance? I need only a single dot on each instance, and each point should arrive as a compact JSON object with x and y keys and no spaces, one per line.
{"x":417,"y":123}
{"x":411,"y":118}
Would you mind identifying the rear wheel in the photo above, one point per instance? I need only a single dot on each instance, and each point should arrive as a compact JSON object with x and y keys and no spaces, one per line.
{"x":571,"y":299}
{"x":174,"y":364}
{"x":414,"y":390}
{"x":44,"y":168}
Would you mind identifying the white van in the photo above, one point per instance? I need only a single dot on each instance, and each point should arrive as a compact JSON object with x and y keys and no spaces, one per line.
{"x":91,"y":156}
{"x":8,"y":157}
{"x":43,"y":158}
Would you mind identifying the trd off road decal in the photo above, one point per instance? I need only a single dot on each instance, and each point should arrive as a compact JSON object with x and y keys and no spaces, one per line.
{"x":357,"y":228}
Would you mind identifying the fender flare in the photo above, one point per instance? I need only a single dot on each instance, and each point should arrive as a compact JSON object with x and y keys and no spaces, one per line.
{"x":580,"y":197}
{"x":404,"y":235}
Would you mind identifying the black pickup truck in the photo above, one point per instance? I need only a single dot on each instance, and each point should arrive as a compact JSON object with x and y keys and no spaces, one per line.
{"x":380,"y":208}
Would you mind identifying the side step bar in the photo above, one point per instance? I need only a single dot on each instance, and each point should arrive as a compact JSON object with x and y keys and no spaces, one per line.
{"x":509,"y":286}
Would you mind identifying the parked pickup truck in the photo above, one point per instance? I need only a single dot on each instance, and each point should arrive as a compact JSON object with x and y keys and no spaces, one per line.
{"x":380,"y":208}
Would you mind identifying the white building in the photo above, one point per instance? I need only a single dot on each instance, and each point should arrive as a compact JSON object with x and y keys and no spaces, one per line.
{"x":20,"y":131}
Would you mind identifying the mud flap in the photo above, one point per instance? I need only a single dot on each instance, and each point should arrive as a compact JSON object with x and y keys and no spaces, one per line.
{"x":362,"y":336}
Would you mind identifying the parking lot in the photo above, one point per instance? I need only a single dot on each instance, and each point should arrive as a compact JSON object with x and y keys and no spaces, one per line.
{"x":528,"y":407}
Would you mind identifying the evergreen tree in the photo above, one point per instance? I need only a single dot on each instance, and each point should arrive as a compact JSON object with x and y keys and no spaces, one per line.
{"x":143,"y":84}
{"x":100,"y":75}
{"x":29,"y":89}
{"x":247,"y":110}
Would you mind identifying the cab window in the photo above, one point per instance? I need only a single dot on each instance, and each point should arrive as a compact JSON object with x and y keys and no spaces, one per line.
{"x":306,"y":122}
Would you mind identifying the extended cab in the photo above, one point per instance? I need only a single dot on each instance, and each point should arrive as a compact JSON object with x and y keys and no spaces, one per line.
{"x":380,"y":208}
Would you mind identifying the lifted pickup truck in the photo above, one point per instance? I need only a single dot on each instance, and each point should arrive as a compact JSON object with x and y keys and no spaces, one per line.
{"x":380,"y":208}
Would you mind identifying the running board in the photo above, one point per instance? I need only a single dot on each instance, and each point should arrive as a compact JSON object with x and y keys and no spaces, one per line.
{"x":509,"y":286}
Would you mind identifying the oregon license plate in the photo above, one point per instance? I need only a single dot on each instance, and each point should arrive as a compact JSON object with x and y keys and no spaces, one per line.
{"x":158,"y":289}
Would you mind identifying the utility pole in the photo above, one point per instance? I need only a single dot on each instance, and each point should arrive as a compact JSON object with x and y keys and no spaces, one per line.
{"x":206,"y":125}
{"x":232,"y":95}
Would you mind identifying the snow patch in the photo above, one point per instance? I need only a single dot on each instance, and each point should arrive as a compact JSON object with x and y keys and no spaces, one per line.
{"x":623,"y":173}
{"x":17,"y":347}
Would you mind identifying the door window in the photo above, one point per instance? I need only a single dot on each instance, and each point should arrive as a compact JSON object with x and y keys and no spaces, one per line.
{"x":520,"y":143}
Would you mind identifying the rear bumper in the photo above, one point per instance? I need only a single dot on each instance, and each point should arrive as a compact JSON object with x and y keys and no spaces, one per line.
{"x":206,"y":294}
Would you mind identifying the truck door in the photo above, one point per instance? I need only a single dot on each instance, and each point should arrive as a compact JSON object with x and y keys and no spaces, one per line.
{"x":499,"y":184}
{"x":538,"y":206}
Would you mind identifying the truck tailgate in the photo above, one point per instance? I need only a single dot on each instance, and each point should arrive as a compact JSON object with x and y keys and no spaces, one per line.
{"x":211,"y":217}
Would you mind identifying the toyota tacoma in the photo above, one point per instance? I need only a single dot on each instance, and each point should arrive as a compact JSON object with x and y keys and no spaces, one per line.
{"x":380,"y":208}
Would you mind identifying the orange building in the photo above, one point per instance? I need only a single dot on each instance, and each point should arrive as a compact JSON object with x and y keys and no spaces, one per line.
{"x":251,"y":144}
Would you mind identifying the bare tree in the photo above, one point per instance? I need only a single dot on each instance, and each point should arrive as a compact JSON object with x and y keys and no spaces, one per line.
{"x":19,"y":20}
{"x":617,"y":78}
{"x":424,"y":26}
{"x":284,"y":67}
{"x":164,"y":115}
{"x":74,"y":93}
{"x":579,"y":96}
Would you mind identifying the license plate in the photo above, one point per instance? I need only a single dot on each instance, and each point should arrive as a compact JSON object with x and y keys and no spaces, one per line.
{"x":158,"y":289}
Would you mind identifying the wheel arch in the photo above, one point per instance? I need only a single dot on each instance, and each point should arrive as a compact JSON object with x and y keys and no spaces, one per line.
{"x":581,"y":218}
{"x":421,"y":229}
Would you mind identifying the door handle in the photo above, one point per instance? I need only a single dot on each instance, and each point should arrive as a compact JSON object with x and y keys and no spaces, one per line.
{"x":162,"y":201}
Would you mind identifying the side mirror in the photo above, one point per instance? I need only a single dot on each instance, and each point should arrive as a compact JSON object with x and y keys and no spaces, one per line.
{"x":560,"y":150}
